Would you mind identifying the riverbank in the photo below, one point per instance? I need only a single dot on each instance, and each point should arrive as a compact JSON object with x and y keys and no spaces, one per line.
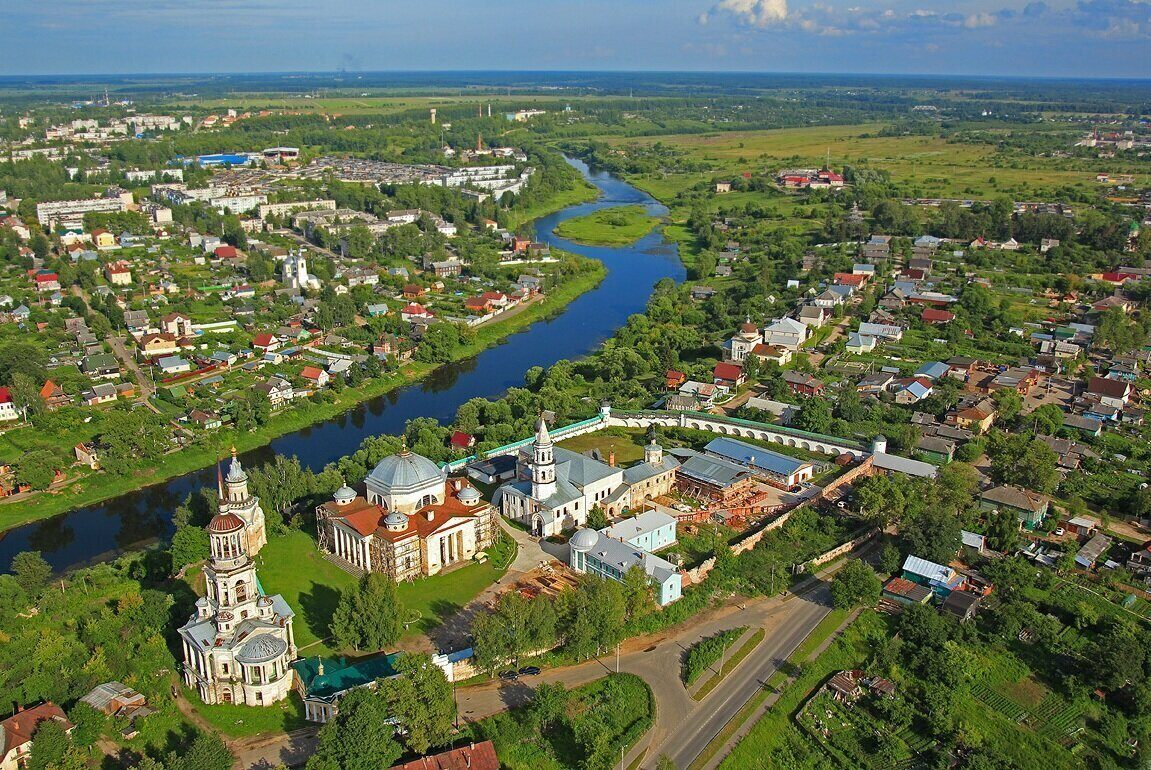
{"x":97,"y":487}
{"x":609,"y":227}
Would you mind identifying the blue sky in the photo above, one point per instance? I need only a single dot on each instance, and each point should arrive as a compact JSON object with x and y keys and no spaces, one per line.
{"x":1096,"y":38}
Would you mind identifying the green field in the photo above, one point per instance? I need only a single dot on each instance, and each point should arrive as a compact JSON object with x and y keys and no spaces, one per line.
{"x":932,"y":165}
{"x":609,"y":227}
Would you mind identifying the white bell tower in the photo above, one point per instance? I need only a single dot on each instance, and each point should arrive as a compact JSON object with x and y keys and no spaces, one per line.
{"x":543,"y":463}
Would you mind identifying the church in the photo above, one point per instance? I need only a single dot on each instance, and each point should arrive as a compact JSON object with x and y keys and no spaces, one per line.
{"x":238,"y":645}
{"x":556,"y":488}
{"x":413,"y":520}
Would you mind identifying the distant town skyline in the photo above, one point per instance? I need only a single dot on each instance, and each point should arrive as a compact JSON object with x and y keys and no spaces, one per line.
{"x":1089,"y":38}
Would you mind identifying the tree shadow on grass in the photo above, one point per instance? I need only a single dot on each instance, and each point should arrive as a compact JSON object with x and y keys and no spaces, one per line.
{"x":317,"y":607}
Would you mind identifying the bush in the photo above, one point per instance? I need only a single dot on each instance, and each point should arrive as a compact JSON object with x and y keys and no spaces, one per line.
{"x":703,"y":654}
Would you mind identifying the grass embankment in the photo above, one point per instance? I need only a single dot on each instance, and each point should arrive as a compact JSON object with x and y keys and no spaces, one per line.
{"x":730,"y":664}
{"x":91,"y":488}
{"x":609,"y":227}
{"x":582,"y":193}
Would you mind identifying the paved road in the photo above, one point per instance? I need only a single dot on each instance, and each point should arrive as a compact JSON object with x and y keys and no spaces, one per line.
{"x":683,"y":726}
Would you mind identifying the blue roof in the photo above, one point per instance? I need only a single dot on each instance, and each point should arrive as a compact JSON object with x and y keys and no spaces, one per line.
{"x":933,"y":369}
{"x":756,"y":456}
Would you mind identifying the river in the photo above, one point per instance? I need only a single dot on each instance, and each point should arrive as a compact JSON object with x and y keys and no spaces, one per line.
{"x":137,"y":519}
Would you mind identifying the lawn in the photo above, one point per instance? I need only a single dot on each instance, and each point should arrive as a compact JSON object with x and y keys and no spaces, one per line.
{"x":291,"y":565}
{"x":239,"y":721}
{"x":609,"y":227}
{"x":627,"y":444}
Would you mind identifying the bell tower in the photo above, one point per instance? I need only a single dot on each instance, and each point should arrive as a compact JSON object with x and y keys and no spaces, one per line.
{"x":543,"y":463}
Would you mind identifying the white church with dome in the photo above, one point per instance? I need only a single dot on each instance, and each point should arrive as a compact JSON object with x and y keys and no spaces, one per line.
{"x":413,"y":520}
{"x":556,"y":488}
{"x":239,"y":645}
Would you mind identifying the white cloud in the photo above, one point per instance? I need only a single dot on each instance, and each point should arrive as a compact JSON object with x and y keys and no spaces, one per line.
{"x":978,"y":20}
{"x":758,"y":13}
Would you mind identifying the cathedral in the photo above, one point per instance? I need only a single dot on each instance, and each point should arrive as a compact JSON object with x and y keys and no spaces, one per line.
{"x":238,"y":646}
{"x":556,"y":488}
{"x":413,"y":520}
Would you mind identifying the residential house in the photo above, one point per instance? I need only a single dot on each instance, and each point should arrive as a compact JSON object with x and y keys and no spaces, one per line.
{"x":886,"y":332}
{"x":813,"y":316}
{"x":941,"y":579}
{"x":674,"y":379}
{"x":277,"y":389}
{"x":53,"y":395}
{"x":911,"y":390}
{"x":786,"y":332}
{"x":104,"y":240}
{"x":775,"y":353}
{"x":177,"y":324}
{"x":266,"y":343}
{"x":8,"y":410}
{"x":100,"y":366}
{"x":170,"y":365}
{"x":875,"y":383}
{"x":205,"y":418}
{"x":86,"y":454}
{"x":315,"y":375}
{"x":728,"y":374}
{"x":474,"y":756}
{"x":936,"y":316}
{"x":1114,"y":393}
{"x":18,"y":730}
{"x":976,"y":417}
{"x":803,"y":384}
{"x":1092,"y":551}
{"x":102,"y":393}
{"x":962,"y":605}
{"x":118,"y":273}
{"x":162,"y":344}
{"x":858,"y":344}
{"x":1030,"y":507}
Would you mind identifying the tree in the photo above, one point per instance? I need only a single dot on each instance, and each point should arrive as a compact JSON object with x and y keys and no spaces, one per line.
{"x":854,"y":585}
{"x":37,"y":469}
{"x":549,"y":704}
{"x":814,"y":415}
{"x":280,"y":483}
{"x":360,"y":737}
{"x":50,"y":744}
{"x":932,"y":534}
{"x":31,"y":571}
{"x":596,"y":518}
{"x":421,"y":700}
{"x":1003,"y":531}
{"x":592,"y":616}
{"x":132,"y":438}
{"x":638,"y":593}
{"x":26,"y":393}
{"x":89,"y":724}
{"x":190,"y":545}
{"x":890,"y":559}
{"x":368,"y":616}
{"x":207,"y":752}
{"x":515,"y":626}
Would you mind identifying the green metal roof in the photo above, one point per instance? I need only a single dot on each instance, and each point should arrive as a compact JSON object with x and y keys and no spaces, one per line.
{"x":340,"y":675}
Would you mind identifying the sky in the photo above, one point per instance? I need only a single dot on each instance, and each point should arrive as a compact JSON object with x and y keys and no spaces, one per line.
{"x":1089,"y":38}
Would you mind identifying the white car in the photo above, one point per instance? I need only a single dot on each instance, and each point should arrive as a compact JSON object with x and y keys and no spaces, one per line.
{"x":1060,"y":532}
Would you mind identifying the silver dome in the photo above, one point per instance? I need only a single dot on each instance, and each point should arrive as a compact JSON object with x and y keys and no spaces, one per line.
{"x":403,"y":472}
{"x":261,"y":649}
{"x":584,"y":540}
{"x":469,"y":496}
{"x":344,"y":495}
{"x":396,"y":521}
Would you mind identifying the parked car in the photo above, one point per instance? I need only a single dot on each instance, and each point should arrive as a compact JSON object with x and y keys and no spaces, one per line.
{"x":509,"y":676}
{"x":529,"y":670}
{"x":1060,"y":532}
